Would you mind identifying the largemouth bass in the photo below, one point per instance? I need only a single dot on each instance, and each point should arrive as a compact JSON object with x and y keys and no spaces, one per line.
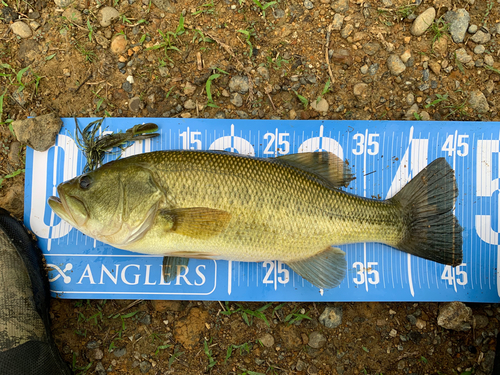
{"x":220,"y":205}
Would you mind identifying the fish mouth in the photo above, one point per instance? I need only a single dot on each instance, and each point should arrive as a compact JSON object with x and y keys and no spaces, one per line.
{"x":77,"y":215}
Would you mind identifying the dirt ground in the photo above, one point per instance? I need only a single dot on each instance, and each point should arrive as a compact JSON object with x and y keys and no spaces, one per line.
{"x":263,"y":60}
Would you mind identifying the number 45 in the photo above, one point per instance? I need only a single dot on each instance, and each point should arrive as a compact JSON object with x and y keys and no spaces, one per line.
{"x":460,"y":276}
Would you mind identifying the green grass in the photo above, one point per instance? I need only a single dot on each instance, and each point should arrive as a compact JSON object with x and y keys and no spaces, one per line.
{"x":263,"y":7}
{"x":11,"y":175}
{"x":440,"y":98}
{"x":247,"y":315}
{"x":248,"y":34}
{"x":439,"y":28}
{"x":208,"y":87}
{"x":295,"y":317}
{"x":208,"y":352}
{"x":302,"y":99}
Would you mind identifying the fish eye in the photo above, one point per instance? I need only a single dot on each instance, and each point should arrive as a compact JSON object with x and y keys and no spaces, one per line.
{"x":85,"y":182}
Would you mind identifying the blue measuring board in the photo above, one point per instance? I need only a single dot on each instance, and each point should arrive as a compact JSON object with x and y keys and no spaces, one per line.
{"x":384,"y":156}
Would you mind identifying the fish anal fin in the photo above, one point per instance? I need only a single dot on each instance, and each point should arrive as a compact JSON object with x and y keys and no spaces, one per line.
{"x":173,"y":266}
{"x":325,"y":270}
{"x":326,"y":164}
{"x":196,"y":222}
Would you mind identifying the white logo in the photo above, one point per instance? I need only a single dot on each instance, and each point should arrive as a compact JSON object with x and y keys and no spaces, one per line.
{"x":61,"y":273}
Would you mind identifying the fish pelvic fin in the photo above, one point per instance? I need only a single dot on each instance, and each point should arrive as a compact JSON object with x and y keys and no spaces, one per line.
{"x":195,"y":222}
{"x":325,"y":270}
{"x":173,"y":266}
{"x":427,"y":201}
{"x":325,"y":164}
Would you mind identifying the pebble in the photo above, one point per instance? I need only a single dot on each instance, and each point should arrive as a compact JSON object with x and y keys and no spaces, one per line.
{"x":435,"y":67}
{"x":73,"y":15}
{"x":480,"y":321}
{"x":331,"y":316}
{"x":127,"y":86}
{"x":135,"y":104}
{"x":456,"y":315}
{"x":14,"y":152}
{"x":119,"y":44}
{"x":308,"y":4}
{"x":479,"y":49}
{"x":425,"y":75}
{"x":292,"y":114}
{"x":146,"y":319}
{"x":63,"y":3}
{"x":321,"y":106}
{"x":340,"y":6}
{"x":472,"y":29}
{"x":267,"y":340}
{"x":279,"y":13}
{"x":371,"y":48}
{"x":481,"y":37}
{"x":300,"y":366}
{"x":316,"y":340}
{"x":107,"y":15}
{"x":239,"y":84}
{"x":264,"y":72}
{"x":164,"y":71}
{"x":189,"y":89}
{"x":406,"y":56}
{"x":462,"y":56}
{"x":373,"y":69}
{"x":242,"y":114}
{"x":120,"y":352}
{"x":145,"y":366}
{"x":92,"y":345}
{"x":99,"y":369}
{"x":488,"y":59}
{"x":420,"y":324}
{"x":396,"y":66}
{"x":360,"y":89}
{"x":423,"y":22}
{"x":347,"y":31}
{"x":21,"y":29}
{"x":98,"y":354}
{"x":186,"y":115}
{"x":459,"y":22}
{"x":189,"y":104}
{"x":393,"y":333}
{"x":220,"y":115}
{"x":410,"y":116}
{"x":338,"y":20}
{"x":364,"y":69}
{"x":478,"y":101}
{"x":236,"y":99}
{"x":410,"y":99}
{"x":38,"y":132}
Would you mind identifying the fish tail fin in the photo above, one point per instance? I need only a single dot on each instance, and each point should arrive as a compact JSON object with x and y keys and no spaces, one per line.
{"x":427,"y":201}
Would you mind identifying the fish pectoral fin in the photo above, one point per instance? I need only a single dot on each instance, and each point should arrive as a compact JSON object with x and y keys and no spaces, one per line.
{"x":325,"y":270}
{"x":324,"y":164}
{"x":196,"y":222}
{"x":173,"y":266}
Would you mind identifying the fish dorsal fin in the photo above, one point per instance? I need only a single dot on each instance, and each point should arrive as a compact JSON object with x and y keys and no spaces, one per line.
{"x":325,"y":164}
{"x":325,"y":270}
{"x":172,"y":266}
{"x":195,"y":222}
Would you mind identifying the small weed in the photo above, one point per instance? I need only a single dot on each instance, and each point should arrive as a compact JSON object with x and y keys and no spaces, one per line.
{"x":176,"y":354}
{"x":439,"y":28}
{"x":248,"y":34}
{"x":208,"y":86}
{"x":424,"y":360}
{"x":405,"y":10}
{"x":89,"y":55}
{"x":207,"y":8}
{"x":365,"y":349}
{"x":492,"y":69}
{"x":166,"y":44}
{"x":440,"y":98}
{"x":50,"y":57}
{"x":459,"y":64}
{"x":124,"y":19}
{"x":302,"y":99}
{"x":180,"y":27}
{"x":80,"y":333}
{"x":244,"y":349}
{"x":248,"y":314}
{"x":200,"y":37}
{"x":326,"y":89}
{"x":489,"y":7}
{"x":277,"y":61}
{"x":161,"y":347}
{"x":208,"y":352}
{"x":82,"y":369}
{"x":295,"y":317}
{"x":91,"y":30}
{"x":264,"y":7}
{"x":417,"y":116}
